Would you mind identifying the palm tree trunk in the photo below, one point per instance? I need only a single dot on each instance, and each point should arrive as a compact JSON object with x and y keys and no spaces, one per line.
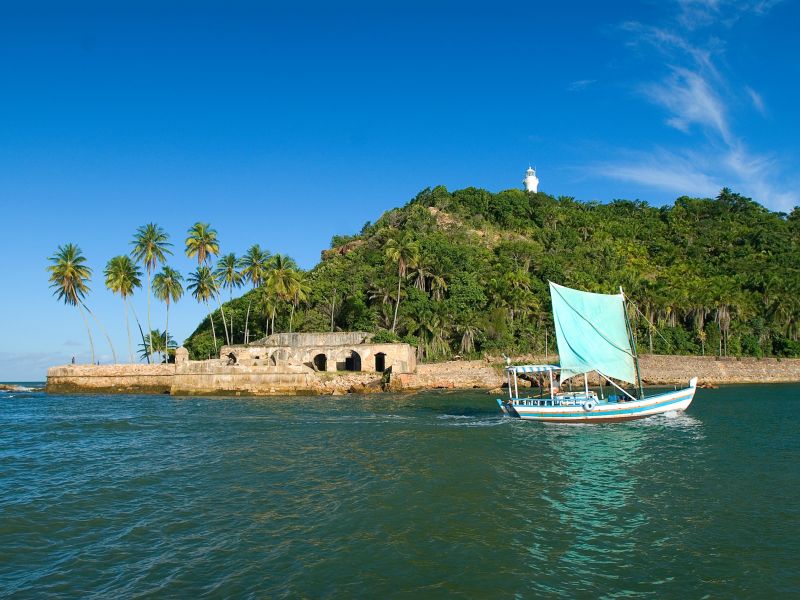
{"x":230,"y":299}
{"x":333,"y":307}
{"x":128,"y":328}
{"x":149,"y":325}
{"x":141,"y":332}
{"x":274,"y":309}
{"x":224,"y":322}
{"x":247,"y":322}
{"x":291,"y":318}
{"x":166,"y":332}
{"x":89,"y":331}
{"x":213,"y":333}
{"x":397,"y":304}
{"x":105,"y":333}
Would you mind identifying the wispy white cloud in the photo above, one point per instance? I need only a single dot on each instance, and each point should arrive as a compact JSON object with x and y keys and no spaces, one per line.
{"x":695,"y":14}
{"x":661,"y":169}
{"x":757,"y":100}
{"x":580,"y":84}
{"x":697,"y":98}
{"x":690,"y":100}
{"x":701,"y":174}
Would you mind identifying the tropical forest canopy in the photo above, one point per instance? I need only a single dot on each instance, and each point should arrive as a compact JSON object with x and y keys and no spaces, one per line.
{"x":470,"y":269}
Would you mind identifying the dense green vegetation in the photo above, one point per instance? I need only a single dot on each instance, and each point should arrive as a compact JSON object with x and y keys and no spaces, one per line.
{"x":466,"y":272}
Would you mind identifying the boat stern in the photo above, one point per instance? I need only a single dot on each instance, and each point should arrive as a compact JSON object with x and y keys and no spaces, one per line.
{"x":507,"y":408}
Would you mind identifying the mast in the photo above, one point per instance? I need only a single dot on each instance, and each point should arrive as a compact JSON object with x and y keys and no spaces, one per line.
{"x":633,"y":344}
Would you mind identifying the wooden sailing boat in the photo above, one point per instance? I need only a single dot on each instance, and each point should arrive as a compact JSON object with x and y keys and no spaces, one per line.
{"x":593,"y":336}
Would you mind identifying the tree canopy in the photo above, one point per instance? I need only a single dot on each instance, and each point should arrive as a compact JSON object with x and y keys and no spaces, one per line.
{"x":467,"y":272}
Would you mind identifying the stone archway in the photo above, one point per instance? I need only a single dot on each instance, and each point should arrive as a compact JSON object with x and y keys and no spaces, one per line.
{"x":321,"y":362}
{"x":380,"y":362}
{"x":352,"y":362}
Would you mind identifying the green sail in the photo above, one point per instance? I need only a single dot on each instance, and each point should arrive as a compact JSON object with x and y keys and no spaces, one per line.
{"x":592,"y":334}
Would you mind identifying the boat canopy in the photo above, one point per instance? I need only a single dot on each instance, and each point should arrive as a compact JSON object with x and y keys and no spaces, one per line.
{"x":592,"y":334}
{"x":531,"y":368}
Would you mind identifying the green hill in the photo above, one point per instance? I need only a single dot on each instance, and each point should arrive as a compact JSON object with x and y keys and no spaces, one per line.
{"x":715,"y":276}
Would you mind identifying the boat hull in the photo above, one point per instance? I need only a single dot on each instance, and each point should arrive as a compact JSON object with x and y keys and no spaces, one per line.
{"x":678,"y":400}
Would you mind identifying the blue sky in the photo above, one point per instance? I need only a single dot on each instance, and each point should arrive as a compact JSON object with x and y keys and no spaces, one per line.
{"x":286,"y":124}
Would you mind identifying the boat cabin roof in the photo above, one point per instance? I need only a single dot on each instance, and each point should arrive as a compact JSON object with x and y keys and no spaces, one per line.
{"x":532,"y":368}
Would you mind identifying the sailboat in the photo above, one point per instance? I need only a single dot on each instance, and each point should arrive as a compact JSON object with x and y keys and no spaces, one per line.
{"x":593,"y":336}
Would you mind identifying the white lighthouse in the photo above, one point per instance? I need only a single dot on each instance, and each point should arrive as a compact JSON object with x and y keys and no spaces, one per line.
{"x":531,"y":181}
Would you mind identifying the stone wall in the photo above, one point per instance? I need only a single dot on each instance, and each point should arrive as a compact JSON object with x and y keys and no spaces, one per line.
{"x":664,"y":369}
{"x":215,"y":377}
{"x":208,"y":378}
{"x":327,"y":338}
{"x":117,"y":379}
{"x":655,"y":369}
{"x":401,"y":358}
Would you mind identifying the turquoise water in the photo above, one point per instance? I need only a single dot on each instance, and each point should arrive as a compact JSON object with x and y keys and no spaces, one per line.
{"x":396,"y":496}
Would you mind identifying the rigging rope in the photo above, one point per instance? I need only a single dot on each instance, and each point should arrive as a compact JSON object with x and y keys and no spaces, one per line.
{"x":654,"y":328}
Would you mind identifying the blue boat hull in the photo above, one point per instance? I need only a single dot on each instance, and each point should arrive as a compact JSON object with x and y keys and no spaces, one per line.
{"x":603,"y":412}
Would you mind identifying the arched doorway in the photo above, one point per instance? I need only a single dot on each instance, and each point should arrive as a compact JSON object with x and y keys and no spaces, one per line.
{"x":321,"y":362}
{"x":352,"y":362}
{"x":380,"y":362}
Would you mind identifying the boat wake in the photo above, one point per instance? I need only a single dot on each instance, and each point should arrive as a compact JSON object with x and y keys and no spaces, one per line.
{"x":471,"y":421}
{"x":673,"y":418}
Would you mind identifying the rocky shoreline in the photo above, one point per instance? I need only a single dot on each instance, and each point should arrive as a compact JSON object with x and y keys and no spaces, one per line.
{"x":213,"y":378}
{"x":12,"y":387}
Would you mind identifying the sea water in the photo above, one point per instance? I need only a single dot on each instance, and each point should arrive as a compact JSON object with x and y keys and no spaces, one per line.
{"x":423,"y":495}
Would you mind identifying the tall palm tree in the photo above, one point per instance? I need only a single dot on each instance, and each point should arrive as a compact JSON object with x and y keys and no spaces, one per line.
{"x":168,"y":288}
{"x":403,"y":251}
{"x":254,"y":268}
{"x":123,"y":276}
{"x":280,"y":281}
{"x":150,"y":247}
{"x":438,"y":285}
{"x":203,"y":287}
{"x":300,"y":290}
{"x":229,"y":276}
{"x":421,"y":273}
{"x":203,"y":244}
{"x":69,"y":278}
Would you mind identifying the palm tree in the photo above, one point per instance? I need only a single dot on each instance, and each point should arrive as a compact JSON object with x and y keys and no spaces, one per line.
{"x":438,"y":285}
{"x":202,"y":243}
{"x":421,"y":274}
{"x":228,"y":276}
{"x":123,"y":276}
{"x":403,"y":251}
{"x":254,"y":268}
{"x":280,"y":281}
{"x":267,"y":303}
{"x":168,"y":287}
{"x":160,"y":342}
{"x":300,"y":290}
{"x":150,"y":247}
{"x":203,"y":287}
{"x":69,"y":278}
{"x":468,"y":334}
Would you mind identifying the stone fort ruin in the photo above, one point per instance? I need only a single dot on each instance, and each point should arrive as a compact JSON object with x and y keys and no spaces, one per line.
{"x":323,"y":352}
